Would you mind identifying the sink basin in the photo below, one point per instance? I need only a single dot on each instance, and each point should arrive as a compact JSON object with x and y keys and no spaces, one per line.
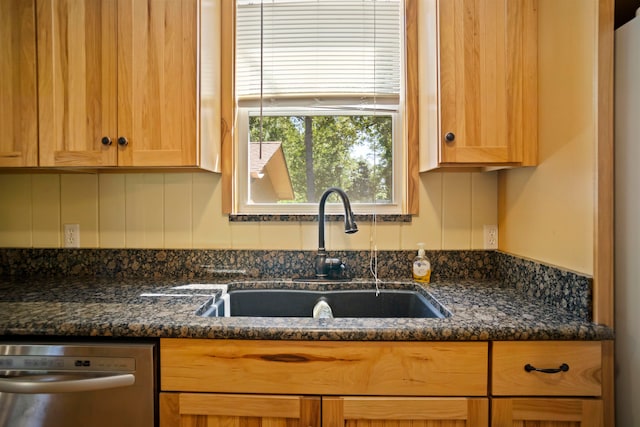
{"x":390,"y":303}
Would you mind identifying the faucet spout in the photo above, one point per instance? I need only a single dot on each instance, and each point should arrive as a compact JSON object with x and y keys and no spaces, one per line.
{"x":324,"y":264}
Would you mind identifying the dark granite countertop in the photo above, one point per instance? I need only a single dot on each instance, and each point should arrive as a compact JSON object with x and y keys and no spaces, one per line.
{"x":481,"y":310}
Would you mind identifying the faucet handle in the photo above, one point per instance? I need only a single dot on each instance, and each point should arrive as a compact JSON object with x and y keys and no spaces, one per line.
{"x":328,"y":267}
{"x":334,"y":264}
{"x":335,"y":267}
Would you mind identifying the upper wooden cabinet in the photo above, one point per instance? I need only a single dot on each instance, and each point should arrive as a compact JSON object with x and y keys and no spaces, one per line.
{"x":19,"y":108}
{"x":119,"y":84}
{"x":77,"y":82}
{"x":479,"y":83}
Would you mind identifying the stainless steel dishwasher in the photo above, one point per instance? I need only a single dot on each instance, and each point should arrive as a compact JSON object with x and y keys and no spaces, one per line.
{"x":72,"y":385}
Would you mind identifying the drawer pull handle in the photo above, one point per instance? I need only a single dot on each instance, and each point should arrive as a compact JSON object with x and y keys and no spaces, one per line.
{"x":563,"y":368}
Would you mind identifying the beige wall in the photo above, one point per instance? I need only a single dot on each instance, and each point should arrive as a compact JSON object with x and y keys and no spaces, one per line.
{"x":182,"y":210}
{"x":547,"y":213}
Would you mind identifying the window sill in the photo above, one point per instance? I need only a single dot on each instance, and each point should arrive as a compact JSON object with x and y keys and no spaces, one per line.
{"x":363,"y":218}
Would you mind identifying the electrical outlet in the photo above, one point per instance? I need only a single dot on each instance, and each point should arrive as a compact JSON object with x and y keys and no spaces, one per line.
{"x":72,"y":235}
{"x":491,"y":237}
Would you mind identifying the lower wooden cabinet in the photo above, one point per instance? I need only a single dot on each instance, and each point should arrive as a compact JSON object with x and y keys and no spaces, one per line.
{"x":321,"y":368}
{"x":236,"y":383}
{"x":549,"y":368}
{"x":209,"y":410}
{"x":214,"y":410}
{"x":547,"y":412}
{"x":354,"y":411}
{"x":564,"y":376}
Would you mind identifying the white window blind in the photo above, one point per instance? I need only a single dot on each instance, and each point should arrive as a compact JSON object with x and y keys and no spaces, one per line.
{"x":319,"y":50}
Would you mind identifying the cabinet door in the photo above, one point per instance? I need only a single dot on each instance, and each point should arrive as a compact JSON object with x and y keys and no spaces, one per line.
{"x":553,"y":412}
{"x":18,"y":109}
{"x":404,"y":412}
{"x":157,"y":82}
{"x":213,"y":410}
{"x":488,"y":87}
{"x":77,"y":82}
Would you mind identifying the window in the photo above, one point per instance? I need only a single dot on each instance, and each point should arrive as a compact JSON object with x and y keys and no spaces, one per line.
{"x":319,"y":102}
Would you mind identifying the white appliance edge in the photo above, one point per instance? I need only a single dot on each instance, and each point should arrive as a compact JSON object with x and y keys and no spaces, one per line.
{"x":627,"y":222}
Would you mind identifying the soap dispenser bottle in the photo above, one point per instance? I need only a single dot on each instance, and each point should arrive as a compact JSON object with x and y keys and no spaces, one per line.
{"x":421,"y":266}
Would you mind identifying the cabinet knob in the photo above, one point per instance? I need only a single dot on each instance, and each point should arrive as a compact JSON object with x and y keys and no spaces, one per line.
{"x":450,"y":137}
{"x":106,"y":140}
{"x":122,"y":141}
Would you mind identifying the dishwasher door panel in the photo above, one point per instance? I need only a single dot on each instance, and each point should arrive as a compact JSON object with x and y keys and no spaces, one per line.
{"x":77,"y":385}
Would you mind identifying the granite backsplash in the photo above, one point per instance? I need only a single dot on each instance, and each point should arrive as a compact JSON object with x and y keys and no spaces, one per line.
{"x":554,"y":286}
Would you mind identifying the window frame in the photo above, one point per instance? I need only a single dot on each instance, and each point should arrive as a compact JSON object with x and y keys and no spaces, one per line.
{"x":229,"y":111}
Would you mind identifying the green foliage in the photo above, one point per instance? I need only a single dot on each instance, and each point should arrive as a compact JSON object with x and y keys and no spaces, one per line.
{"x":350,"y":152}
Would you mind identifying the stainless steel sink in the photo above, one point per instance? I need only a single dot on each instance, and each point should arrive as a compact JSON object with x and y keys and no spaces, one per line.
{"x":389,"y":303}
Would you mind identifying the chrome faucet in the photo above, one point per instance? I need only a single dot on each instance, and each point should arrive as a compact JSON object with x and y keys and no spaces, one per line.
{"x":324,"y":264}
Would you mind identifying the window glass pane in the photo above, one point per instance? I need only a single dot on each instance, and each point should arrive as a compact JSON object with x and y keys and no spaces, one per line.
{"x":301,"y":156}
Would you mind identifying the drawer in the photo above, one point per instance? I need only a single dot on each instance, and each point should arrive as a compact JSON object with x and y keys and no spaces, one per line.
{"x":582,"y":362}
{"x":325,"y":367}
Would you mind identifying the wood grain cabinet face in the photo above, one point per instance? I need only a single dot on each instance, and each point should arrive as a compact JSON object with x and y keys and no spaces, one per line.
{"x":357,"y":384}
{"x":214,"y":410}
{"x":118,"y":83}
{"x":321,"y":368}
{"x":379,"y":384}
{"x":583,"y":360}
{"x":556,"y":412}
{"x":18,"y":86}
{"x":209,"y":410}
{"x":572,"y":368}
{"x":354,"y":411}
{"x":486,"y":85}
